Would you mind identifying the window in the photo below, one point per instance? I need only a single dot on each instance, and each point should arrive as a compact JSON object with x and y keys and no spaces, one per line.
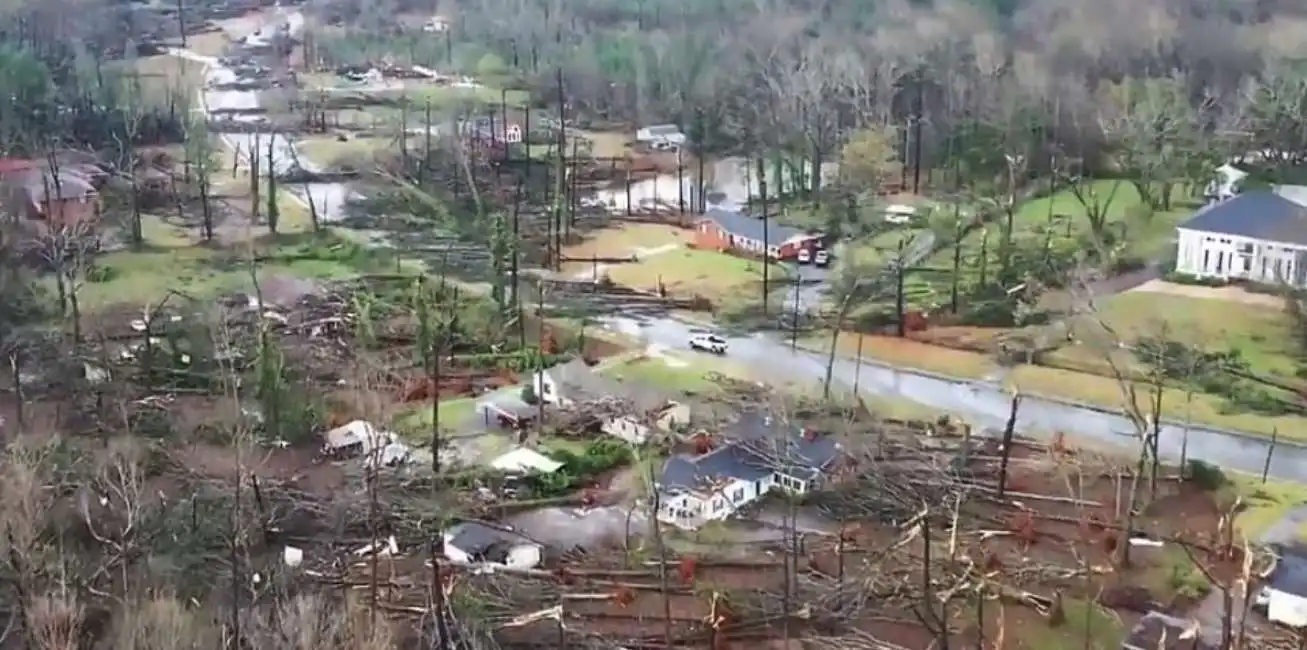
{"x":1220,"y":262}
{"x":1263,"y":267}
{"x":1247,"y":264}
{"x":1207,"y":258}
{"x":738,"y":495}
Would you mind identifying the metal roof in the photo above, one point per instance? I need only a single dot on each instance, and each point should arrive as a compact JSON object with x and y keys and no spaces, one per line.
{"x":1258,"y":214}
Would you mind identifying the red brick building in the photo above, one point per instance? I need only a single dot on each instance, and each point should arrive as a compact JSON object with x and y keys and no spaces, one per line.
{"x":725,"y":231}
{"x":66,"y":196}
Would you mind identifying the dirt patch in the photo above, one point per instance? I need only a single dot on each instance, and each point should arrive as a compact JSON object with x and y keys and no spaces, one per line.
{"x":976,"y":339}
{"x":1230,"y":294}
{"x":296,"y":465}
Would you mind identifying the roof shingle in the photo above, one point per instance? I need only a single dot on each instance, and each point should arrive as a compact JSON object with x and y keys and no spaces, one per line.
{"x":1260,"y":214}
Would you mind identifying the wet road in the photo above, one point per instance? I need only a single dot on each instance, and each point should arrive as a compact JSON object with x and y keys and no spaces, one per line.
{"x":984,"y":404}
{"x":329,"y":199}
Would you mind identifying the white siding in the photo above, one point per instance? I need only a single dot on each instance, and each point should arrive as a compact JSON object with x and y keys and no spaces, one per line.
{"x":546,"y":389}
{"x":1229,"y":257}
{"x":626,"y":428}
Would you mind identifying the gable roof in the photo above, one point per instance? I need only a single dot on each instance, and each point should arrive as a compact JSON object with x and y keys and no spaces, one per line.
{"x":43,"y":185}
{"x":699,"y":473}
{"x":795,"y":452}
{"x":749,"y":227}
{"x":1259,"y":214}
{"x":475,"y":538}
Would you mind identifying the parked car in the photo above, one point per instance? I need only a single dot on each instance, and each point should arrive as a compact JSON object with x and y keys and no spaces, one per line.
{"x":821,"y":258}
{"x":708,"y":343}
{"x":805,"y":256}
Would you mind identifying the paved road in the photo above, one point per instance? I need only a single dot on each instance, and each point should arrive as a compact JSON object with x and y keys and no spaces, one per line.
{"x":983,"y":403}
{"x":329,"y":199}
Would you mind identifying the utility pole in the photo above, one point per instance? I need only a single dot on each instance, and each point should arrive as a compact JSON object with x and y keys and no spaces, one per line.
{"x":901,"y":326}
{"x":918,"y":108}
{"x":794,"y":327}
{"x":766,"y":235}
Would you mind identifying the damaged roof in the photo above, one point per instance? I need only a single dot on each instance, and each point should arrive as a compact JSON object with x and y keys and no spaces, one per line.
{"x":696,"y":473}
{"x":475,"y":538}
{"x":800,"y":453}
{"x":580,"y":382}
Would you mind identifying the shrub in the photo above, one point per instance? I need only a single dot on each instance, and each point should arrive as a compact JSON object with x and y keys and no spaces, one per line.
{"x":1193,"y":280}
{"x":1207,"y":476}
{"x":99,"y":274}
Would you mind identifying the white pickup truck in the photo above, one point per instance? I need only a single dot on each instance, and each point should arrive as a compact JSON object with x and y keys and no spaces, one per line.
{"x":708,"y":343}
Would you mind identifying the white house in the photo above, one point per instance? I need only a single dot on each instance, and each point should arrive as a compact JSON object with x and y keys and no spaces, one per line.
{"x":1226,"y":183}
{"x":473,"y":542}
{"x":713,"y":486}
{"x":1258,"y":236}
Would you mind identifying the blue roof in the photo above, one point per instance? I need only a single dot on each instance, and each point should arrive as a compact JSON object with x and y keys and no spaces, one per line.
{"x":728,"y":461}
{"x":749,"y":227}
{"x":757,"y":449}
{"x":1259,"y":214}
{"x":794,"y":453}
{"x":1290,"y":573}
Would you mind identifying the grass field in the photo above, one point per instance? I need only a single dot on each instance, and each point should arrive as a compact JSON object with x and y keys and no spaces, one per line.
{"x":1264,"y":503}
{"x":328,"y":151}
{"x":172,"y":261}
{"x":1063,"y":213}
{"x":1058,"y":383}
{"x":1262,"y":336}
{"x":684,"y":272}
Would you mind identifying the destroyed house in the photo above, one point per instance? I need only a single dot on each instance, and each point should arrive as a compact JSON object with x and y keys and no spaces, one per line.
{"x":631,"y":411}
{"x":472,"y":542}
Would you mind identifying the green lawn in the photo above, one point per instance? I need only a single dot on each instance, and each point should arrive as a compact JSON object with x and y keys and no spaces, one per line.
{"x":1263,"y":337}
{"x":691,"y":377}
{"x":170,"y":262}
{"x":683,"y":272}
{"x":417,"y":420}
{"x":1264,"y":503}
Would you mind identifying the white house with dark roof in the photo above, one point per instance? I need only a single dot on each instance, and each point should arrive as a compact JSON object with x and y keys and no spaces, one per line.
{"x":1258,"y":236}
{"x":758,"y":456}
